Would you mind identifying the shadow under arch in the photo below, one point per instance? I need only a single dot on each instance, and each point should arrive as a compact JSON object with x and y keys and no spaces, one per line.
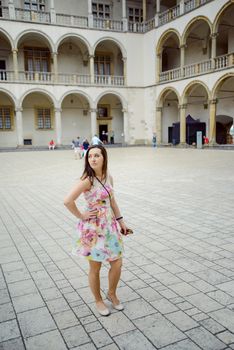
{"x":38,"y":32}
{"x":219,"y":15}
{"x":192,"y":85}
{"x":114,"y":40}
{"x":218,"y":83}
{"x":76,"y":92}
{"x":74,"y":35}
{"x":189,"y":25}
{"x":10,"y":96}
{"x":165,"y":36}
{"x":163,"y":95}
{"x":40,"y":91}
{"x":111,"y":92}
{"x":8,"y":37}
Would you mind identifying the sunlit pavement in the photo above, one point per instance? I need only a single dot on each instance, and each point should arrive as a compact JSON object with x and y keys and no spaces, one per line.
{"x":177,"y":283}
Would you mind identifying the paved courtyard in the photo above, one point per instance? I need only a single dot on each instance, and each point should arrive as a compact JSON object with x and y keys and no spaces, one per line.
{"x":177,"y":283}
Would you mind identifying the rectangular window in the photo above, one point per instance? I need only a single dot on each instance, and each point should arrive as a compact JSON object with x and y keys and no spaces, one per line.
{"x":135,"y":14}
{"x":5,"y":118}
{"x":101,"y":10}
{"x":37,"y":59}
{"x":34,"y":5}
{"x":102,"y":65}
{"x":44,"y":118}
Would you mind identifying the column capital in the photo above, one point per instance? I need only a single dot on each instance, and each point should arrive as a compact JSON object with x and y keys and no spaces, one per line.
{"x":91,"y":56}
{"x":124,"y":59}
{"x":183,"y":46}
{"x":19,"y":109}
{"x":213,"y":101}
{"x":183,"y":106}
{"x":124,"y":110}
{"x":58,"y":110}
{"x":159,"y":109}
{"x":214,"y":35}
{"x":14,"y":50}
{"x":93,"y":110}
{"x":55,"y":53}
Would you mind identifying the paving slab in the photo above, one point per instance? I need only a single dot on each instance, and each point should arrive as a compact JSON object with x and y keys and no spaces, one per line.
{"x":178,"y":274}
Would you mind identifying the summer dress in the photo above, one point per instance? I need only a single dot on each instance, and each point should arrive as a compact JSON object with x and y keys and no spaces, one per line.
{"x":99,"y":239}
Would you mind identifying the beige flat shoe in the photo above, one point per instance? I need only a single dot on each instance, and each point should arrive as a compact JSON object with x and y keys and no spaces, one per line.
{"x":118,"y":307}
{"x":103,"y":312}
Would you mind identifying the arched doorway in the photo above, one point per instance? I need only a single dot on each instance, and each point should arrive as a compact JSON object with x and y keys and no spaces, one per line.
{"x":225,"y":30}
{"x":110,"y":120}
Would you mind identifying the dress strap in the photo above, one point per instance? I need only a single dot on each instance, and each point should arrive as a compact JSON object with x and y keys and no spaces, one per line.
{"x":104,"y":188}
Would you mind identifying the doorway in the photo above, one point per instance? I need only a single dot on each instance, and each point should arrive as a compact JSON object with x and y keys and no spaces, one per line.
{"x":103,"y":133}
{"x":3,"y":75}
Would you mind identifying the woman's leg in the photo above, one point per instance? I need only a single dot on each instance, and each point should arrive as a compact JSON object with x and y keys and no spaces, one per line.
{"x":94,"y":283}
{"x":114,"y":276}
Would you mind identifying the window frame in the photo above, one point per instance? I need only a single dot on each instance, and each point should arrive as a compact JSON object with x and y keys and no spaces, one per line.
{"x":134,"y":15}
{"x":96,"y":13}
{"x":99,"y":62}
{"x":36,"y":113}
{"x":34,"y":57}
{"x":11,"y":119}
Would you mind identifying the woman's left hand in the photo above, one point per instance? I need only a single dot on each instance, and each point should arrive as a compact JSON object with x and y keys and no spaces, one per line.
{"x":123,"y":228}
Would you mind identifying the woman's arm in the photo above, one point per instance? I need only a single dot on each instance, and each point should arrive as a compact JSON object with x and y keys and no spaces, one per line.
{"x":69,"y":200}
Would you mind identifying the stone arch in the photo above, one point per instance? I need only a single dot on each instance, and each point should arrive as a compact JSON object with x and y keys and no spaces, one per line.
{"x":218,"y":83}
{"x":74,"y":35}
{"x":164,"y":93}
{"x":188,"y":26}
{"x":191,"y":86}
{"x":34,"y":31}
{"x":10,"y":95}
{"x":37,"y":90}
{"x":111,"y":92}
{"x":8,"y":37}
{"x":117,"y":42}
{"x":219,"y":15}
{"x":78,"y":92}
{"x":164,"y":37}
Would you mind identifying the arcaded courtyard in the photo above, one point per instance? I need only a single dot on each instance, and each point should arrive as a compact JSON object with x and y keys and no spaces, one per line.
{"x":177,"y":283}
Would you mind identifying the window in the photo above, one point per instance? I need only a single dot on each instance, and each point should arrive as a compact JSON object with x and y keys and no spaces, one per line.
{"x":6,"y":120}
{"x":101,"y":10}
{"x":102,"y":65}
{"x":37,"y":59}
{"x":135,"y":14}
{"x":44,"y":118}
{"x":34,"y":5}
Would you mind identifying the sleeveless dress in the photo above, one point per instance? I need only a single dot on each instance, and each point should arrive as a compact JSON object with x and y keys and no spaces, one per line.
{"x":99,"y":239}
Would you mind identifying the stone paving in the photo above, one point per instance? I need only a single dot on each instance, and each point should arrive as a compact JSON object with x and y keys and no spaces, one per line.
{"x":177,"y":283}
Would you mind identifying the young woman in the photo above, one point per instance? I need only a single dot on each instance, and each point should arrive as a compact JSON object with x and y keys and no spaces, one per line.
{"x":98,"y":237}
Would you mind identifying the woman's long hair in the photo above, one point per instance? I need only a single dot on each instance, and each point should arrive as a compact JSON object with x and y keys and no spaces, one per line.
{"x":88,"y":171}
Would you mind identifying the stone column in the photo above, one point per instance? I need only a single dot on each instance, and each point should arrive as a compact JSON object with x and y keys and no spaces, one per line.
{"x":213,"y":48}
{"x":157,"y":6}
{"x":15,"y":63}
{"x":144,"y":10}
{"x":126,"y":126}
{"x":182,"y":59}
{"x":124,"y":16}
{"x":93,"y":115}
{"x":19,"y":126}
{"x":91,"y":68}
{"x":90,"y":14}
{"x":159,"y":125}
{"x":182,"y":7}
{"x":124,"y":59}
{"x":58,"y":125}
{"x":212,"y":112}
{"x":52,"y":12}
{"x":11,"y":8}
{"x":55,"y":66}
{"x":158,"y":67}
{"x":182,"y":109}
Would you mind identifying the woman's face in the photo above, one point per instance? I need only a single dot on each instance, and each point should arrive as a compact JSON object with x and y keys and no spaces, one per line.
{"x":96,"y":159}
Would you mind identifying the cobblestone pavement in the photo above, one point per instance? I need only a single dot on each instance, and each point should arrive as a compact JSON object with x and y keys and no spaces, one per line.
{"x":177,"y":283}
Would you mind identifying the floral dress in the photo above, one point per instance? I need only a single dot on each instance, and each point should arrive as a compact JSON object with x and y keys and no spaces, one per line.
{"x":99,"y":239}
